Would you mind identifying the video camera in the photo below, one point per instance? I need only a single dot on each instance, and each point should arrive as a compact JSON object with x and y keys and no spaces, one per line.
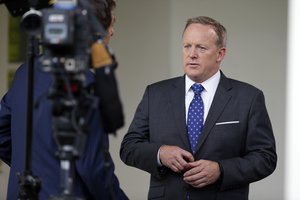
{"x":71,"y":39}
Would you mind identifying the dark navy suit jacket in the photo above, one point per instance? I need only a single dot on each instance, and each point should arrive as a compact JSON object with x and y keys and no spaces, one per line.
{"x":237,"y":133}
{"x":92,"y":181}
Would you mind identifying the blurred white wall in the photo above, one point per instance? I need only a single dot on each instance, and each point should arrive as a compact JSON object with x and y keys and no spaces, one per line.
{"x":292,"y":161}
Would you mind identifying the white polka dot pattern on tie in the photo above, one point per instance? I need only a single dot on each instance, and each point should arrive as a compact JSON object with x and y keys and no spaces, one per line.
{"x":195,"y":116}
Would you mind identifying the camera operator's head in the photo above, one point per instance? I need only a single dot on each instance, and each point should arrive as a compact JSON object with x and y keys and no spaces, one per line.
{"x":103,"y":10}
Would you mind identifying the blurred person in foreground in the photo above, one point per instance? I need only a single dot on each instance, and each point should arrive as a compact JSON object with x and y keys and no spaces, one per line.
{"x":201,"y":135}
{"x":92,"y":179}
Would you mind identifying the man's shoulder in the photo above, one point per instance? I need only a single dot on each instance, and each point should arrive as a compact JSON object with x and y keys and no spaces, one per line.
{"x":242,"y":85}
{"x":168,"y":82}
{"x":238,"y":84}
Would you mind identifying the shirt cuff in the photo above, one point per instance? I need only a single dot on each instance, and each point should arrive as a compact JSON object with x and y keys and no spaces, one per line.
{"x":158,"y":159}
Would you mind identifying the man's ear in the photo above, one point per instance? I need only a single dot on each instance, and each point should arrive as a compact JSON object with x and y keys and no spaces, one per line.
{"x":221,"y":54}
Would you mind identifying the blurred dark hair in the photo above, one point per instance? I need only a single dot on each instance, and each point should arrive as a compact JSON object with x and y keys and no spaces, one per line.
{"x":103,"y":9}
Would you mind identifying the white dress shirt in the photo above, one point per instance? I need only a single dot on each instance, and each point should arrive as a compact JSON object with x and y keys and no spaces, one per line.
{"x":207,"y":95}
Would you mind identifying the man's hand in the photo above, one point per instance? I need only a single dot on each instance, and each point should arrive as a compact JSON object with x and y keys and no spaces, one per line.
{"x":175,"y":158}
{"x":202,"y":173}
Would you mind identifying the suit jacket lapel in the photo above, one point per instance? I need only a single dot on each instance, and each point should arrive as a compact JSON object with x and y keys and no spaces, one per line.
{"x":177,"y":100}
{"x":221,"y":99}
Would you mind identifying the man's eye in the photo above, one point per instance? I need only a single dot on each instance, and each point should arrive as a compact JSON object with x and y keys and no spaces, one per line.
{"x":202,"y":48}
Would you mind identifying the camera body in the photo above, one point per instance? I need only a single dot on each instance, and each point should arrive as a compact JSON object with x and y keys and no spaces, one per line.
{"x":58,"y":27}
{"x":66,"y":39}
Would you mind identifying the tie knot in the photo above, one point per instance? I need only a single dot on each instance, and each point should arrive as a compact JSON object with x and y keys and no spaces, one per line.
{"x":197,"y":88}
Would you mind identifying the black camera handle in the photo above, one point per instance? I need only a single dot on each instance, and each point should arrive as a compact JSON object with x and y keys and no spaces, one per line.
{"x":30,"y":185}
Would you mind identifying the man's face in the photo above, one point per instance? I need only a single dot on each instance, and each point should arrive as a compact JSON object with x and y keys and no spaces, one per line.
{"x":201,"y":55}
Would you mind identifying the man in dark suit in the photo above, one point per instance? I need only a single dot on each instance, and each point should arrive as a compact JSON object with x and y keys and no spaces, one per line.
{"x":94,"y":177}
{"x":233,"y":143}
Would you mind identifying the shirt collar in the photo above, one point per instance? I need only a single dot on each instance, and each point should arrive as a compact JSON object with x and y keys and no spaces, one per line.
{"x":210,"y":85}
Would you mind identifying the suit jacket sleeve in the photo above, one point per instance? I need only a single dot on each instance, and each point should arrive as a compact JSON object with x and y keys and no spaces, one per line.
{"x":136,"y":148}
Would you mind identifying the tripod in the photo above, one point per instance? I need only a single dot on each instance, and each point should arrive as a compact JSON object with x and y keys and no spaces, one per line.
{"x":72,"y":106}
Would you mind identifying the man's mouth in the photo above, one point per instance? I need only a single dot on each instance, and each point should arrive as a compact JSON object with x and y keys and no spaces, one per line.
{"x":192,"y":64}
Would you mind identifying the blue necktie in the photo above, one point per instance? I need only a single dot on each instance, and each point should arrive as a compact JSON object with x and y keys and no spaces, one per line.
{"x":195,"y":118}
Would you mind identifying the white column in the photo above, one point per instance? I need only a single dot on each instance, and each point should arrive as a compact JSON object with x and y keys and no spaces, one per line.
{"x":292,"y":169}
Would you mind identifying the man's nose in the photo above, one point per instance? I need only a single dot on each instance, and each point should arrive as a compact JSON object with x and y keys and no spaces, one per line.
{"x":193,"y":52}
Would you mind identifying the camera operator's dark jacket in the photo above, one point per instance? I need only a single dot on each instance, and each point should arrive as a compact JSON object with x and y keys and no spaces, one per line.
{"x":92,"y":179}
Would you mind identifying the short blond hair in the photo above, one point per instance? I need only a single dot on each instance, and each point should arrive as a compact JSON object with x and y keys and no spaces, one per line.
{"x":217,"y":26}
